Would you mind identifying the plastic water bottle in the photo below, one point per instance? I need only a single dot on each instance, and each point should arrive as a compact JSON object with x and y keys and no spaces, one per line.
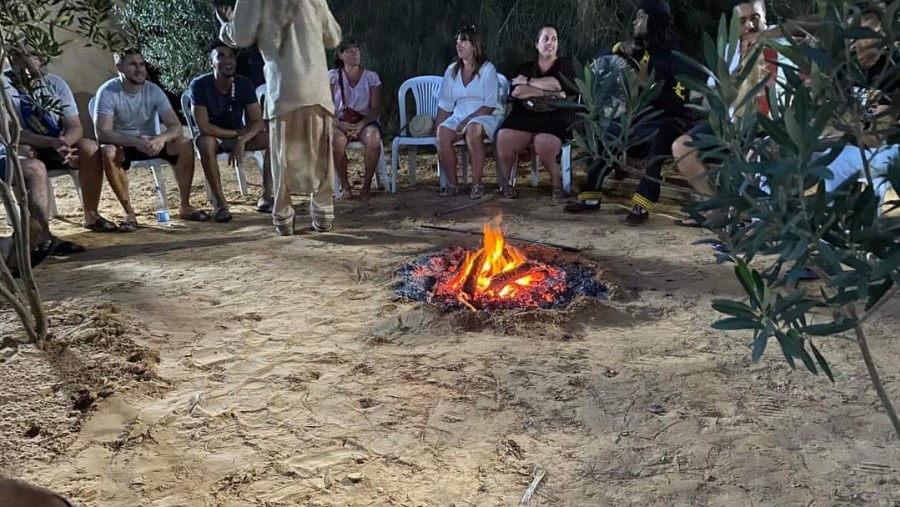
{"x":162,"y":211}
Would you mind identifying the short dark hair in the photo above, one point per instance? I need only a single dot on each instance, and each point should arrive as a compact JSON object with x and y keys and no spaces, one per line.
{"x":120,"y":55}
{"x":345,"y":44}
{"x":216,"y":44}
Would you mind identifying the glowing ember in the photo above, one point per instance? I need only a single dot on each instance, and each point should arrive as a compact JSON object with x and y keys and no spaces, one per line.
{"x":498,"y":273}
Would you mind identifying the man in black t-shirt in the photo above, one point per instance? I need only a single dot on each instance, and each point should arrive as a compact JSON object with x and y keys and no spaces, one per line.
{"x":652,"y":54}
{"x":230,"y":120}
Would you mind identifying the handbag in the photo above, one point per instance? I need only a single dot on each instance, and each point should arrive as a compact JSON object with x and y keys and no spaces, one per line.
{"x":542,"y":104}
{"x":348,"y":115}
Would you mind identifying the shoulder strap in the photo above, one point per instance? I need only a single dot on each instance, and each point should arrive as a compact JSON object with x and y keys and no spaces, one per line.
{"x":341,"y":84}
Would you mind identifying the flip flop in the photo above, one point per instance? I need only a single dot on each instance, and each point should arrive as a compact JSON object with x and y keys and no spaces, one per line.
{"x":687,"y":222}
{"x":198,"y":215}
{"x":102,"y":225}
{"x":37,"y":256}
{"x":222,"y":215}
{"x":128,"y":225}
{"x":63,"y":247}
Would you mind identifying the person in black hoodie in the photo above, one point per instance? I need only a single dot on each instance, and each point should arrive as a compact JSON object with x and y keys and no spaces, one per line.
{"x":652,"y":53}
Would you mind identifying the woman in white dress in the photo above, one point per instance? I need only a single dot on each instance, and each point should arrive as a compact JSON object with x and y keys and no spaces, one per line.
{"x":468,"y":99}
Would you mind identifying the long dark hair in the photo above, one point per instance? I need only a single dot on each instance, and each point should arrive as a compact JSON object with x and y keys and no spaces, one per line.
{"x":470,"y":34}
{"x":345,"y":44}
{"x":660,"y":25}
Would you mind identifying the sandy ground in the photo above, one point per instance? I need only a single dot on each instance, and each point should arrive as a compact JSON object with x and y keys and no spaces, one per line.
{"x":219,"y":365}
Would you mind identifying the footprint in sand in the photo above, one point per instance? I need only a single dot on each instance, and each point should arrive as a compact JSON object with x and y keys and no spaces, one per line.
{"x":207,"y":357}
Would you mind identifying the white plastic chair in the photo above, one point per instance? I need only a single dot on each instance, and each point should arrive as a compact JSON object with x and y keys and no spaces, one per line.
{"x":51,"y":197}
{"x":221,"y":157}
{"x":425,"y":91}
{"x":154,"y":164}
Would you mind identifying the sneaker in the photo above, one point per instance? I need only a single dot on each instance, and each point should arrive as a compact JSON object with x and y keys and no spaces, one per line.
{"x":582,"y":206}
{"x":637,"y":216}
{"x":264,"y":204}
{"x":477,"y":192}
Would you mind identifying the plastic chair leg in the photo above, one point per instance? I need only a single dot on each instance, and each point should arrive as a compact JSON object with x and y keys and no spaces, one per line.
{"x":51,"y":200}
{"x":76,"y":181}
{"x":566,"y":167}
{"x":160,"y":180}
{"x":534,"y":169}
{"x":386,"y":183}
{"x":395,"y":161}
{"x":241,"y":179}
{"x":411,"y":150}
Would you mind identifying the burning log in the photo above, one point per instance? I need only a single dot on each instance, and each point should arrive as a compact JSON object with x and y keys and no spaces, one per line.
{"x":470,"y":285}
{"x":508,"y":277}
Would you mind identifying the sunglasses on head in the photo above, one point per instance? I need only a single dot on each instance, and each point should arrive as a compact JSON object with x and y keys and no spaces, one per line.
{"x":467,"y":28}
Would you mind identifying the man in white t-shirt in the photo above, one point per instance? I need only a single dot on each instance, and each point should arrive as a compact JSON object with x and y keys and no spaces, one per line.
{"x":752,"y":19}
{"x":126,"y":122}
{"x":51,"y":129}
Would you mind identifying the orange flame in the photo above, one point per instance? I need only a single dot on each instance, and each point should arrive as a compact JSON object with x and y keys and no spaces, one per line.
{"x":496,"y":257}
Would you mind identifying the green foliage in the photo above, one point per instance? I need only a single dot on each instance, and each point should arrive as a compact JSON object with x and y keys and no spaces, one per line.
{"x":797,"y":227}
{"x":172,"y":36}
{"x":34,"y":27}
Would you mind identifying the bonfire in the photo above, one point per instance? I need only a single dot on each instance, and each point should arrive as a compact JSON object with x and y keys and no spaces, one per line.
{"x":500,"y":272}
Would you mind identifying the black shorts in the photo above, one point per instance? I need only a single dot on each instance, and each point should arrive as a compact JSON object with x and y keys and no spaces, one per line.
{"x":52,"y":159}
{"x":133,"y":154}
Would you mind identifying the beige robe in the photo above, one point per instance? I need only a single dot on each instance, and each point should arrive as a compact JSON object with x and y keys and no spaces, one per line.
{"x":296,"y":66}
{"x":292,"y":36}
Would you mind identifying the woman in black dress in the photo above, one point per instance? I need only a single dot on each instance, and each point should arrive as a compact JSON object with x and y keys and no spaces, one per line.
{"x":546,"y":130}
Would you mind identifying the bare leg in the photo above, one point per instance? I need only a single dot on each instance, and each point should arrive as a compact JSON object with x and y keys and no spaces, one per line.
{"x":339,"y":143}
{"x":507,"y":147}
{"x":447,"y":153}
{"x":261,"y":142}
{"x":35,"y":173}
{"x":547,"y":147}
{"x":475,"y":135}
{"x":90,"y":174}
{"x":184,"y":173}
{"x":207,"y":146}
{"x":687,"y":159}
{"x":112,"y":157}
{"x":371,"y":138}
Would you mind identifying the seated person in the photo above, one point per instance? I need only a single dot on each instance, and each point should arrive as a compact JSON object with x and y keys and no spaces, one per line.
{"x":468,"y":98}
{"x":125,"y":123}
{"x":875,"y":87}
{"x":653,"y":53}
{"x":357,"y":104}
{"x":692,"y":164}
{"x":43,"y":243}
{"x":221,"y":102}
{"x":55,"y":137}
{"x":548,"y":130}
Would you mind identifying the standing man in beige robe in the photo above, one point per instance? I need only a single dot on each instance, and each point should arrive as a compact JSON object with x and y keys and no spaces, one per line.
{"x":292,"y":36}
